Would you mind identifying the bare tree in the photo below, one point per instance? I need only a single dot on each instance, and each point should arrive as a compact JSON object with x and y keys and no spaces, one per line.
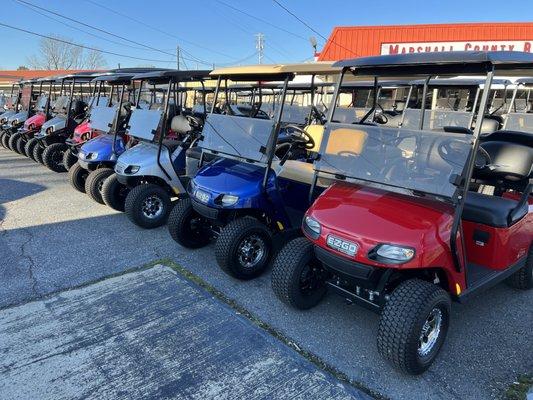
{"x":94,"y":60}
{"x":54,"y":55}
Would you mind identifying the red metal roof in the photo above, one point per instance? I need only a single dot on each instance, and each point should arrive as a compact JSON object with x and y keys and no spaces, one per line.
{"x":7,"y":76}
{"x":360,"y":41}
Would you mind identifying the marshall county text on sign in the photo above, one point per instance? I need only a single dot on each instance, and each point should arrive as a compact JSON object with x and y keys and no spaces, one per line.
{"x":431,"y":47}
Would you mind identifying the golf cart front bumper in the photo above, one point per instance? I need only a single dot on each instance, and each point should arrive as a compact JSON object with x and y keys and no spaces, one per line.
{"x":206,"y":211}
{"x":356,"y":282}
{"x":127,"y":180}
{"x":346,"y":268}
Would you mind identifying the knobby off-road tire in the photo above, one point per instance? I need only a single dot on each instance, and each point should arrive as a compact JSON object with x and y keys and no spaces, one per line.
{"x":77,"y":177}
{"x":148,"y":206}
{"x":297,"y":276}
{"x":114,"y":193}
{"x":403,"y":320}
{"x":5,"y":140}
{"x":186,"y":226}
{"x":2,"y":133}
{"x":53,"y":157}
{"x":69,"y":159}
{"x":30,"y":147}
{"x":523,"y":278}
{"x":95,"y":181}
{"x":14,"y":138}
{"x":234,"y":241}
{"x":20,"y":145}
{"x":38,"y":150}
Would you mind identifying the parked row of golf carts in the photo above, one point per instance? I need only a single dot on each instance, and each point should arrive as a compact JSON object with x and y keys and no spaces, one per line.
{"x":400,"y":182}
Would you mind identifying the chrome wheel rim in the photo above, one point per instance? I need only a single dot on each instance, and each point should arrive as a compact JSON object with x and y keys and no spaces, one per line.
{"x":430,"y":332}
{"x":152,"y":207}
{"x":251,"y":251}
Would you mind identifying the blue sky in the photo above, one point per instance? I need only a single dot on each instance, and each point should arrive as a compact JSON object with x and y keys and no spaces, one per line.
{"x":210,"y":31}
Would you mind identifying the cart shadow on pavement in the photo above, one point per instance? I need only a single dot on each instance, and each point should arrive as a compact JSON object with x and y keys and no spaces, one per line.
{"x":15,"y":189}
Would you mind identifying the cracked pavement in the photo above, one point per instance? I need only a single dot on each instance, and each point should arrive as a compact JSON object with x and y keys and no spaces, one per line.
{"x":75,"y":241}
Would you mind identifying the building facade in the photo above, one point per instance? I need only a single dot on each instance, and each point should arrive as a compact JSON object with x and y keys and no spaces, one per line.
{"x":361,"y":41}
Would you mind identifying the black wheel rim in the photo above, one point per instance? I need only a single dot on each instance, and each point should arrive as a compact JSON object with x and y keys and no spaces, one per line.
{"x":57,"y":159}
{"x":152,"y":207}
{"x":100,"y":185}
{"x":251,"y":251}
{"x":310,"y":279}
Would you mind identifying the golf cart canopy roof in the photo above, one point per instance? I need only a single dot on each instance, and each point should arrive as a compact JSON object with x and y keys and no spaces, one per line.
{"x":444,"y":63}
{"x":370,"y":84}
{"x":524,"y":81}
{"x":46,"y":79}
{"x":254,"y":85}
{"x":80,"y":76}
{"x":29,"y":81}
{"x":274,"y":72}
{"x":459,"y":82}
{"x":123,"y":75}
{"x":173,"y":75}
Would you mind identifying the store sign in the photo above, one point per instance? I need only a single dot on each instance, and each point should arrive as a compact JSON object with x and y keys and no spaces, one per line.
{"x":433,"y":47}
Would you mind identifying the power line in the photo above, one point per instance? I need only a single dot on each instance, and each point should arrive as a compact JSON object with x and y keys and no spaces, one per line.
{"x":80,"y":45}
{"x":247,"y":31}
{"x":160,"y":30}
{"x":299,"y":19}
{"x":261,"y":20}
{"x":78,"y":29}
{"x":311,"y":28}
{"x":94,"y":27}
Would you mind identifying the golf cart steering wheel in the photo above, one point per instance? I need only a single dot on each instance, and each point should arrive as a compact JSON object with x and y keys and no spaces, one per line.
{"x":483,"y":158}
{"x":300,"y":136}
{"x":256,"y":112}
{"x":318,"y":115}
{"x":261,"y":114}
{"x":194,"y":122}
{"x":450,"y":153}
{"x":380,"y":118}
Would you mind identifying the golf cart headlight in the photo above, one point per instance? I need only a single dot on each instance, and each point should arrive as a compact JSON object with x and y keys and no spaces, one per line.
{"x":132,"y":169}
{"x":91,"y":156}
{"x":312,"y":227}
{"x":228,"y":200}
{"x":14,"y":122}
{"x":394,"y":254}
{"x":49,"y":130}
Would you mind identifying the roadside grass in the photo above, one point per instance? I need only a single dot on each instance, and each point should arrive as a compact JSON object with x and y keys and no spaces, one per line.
{"x":519,"y":389}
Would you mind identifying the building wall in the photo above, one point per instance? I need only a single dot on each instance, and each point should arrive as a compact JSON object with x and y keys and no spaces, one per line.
{"x":350,"y":42}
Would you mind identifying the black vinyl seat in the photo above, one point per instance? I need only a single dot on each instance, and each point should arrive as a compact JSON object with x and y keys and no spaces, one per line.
{"x":492,"y":211}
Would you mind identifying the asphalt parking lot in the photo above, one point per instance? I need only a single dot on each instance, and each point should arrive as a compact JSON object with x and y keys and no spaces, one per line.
{"x":149,"y":334}
{"x":53,"y":238}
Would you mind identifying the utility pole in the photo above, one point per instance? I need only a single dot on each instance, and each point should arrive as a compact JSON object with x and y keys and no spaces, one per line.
{"x":177,"y":57}
{"x":260,"y":46}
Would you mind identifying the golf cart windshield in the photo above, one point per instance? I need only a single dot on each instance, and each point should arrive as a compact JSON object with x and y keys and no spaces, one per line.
{"x":449,"y":106}
{"x":520,"y":116}
{"x":144,"y":123}
{"x":61,"y":104}
{"x":239,"y":136}
{"x":41,"y":103}
{"x":353,"y":105}
{"x":102,"y":117}
{"x":421,"y":161}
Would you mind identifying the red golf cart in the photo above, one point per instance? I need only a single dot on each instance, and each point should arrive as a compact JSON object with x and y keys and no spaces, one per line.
{"x":416,"y":217}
